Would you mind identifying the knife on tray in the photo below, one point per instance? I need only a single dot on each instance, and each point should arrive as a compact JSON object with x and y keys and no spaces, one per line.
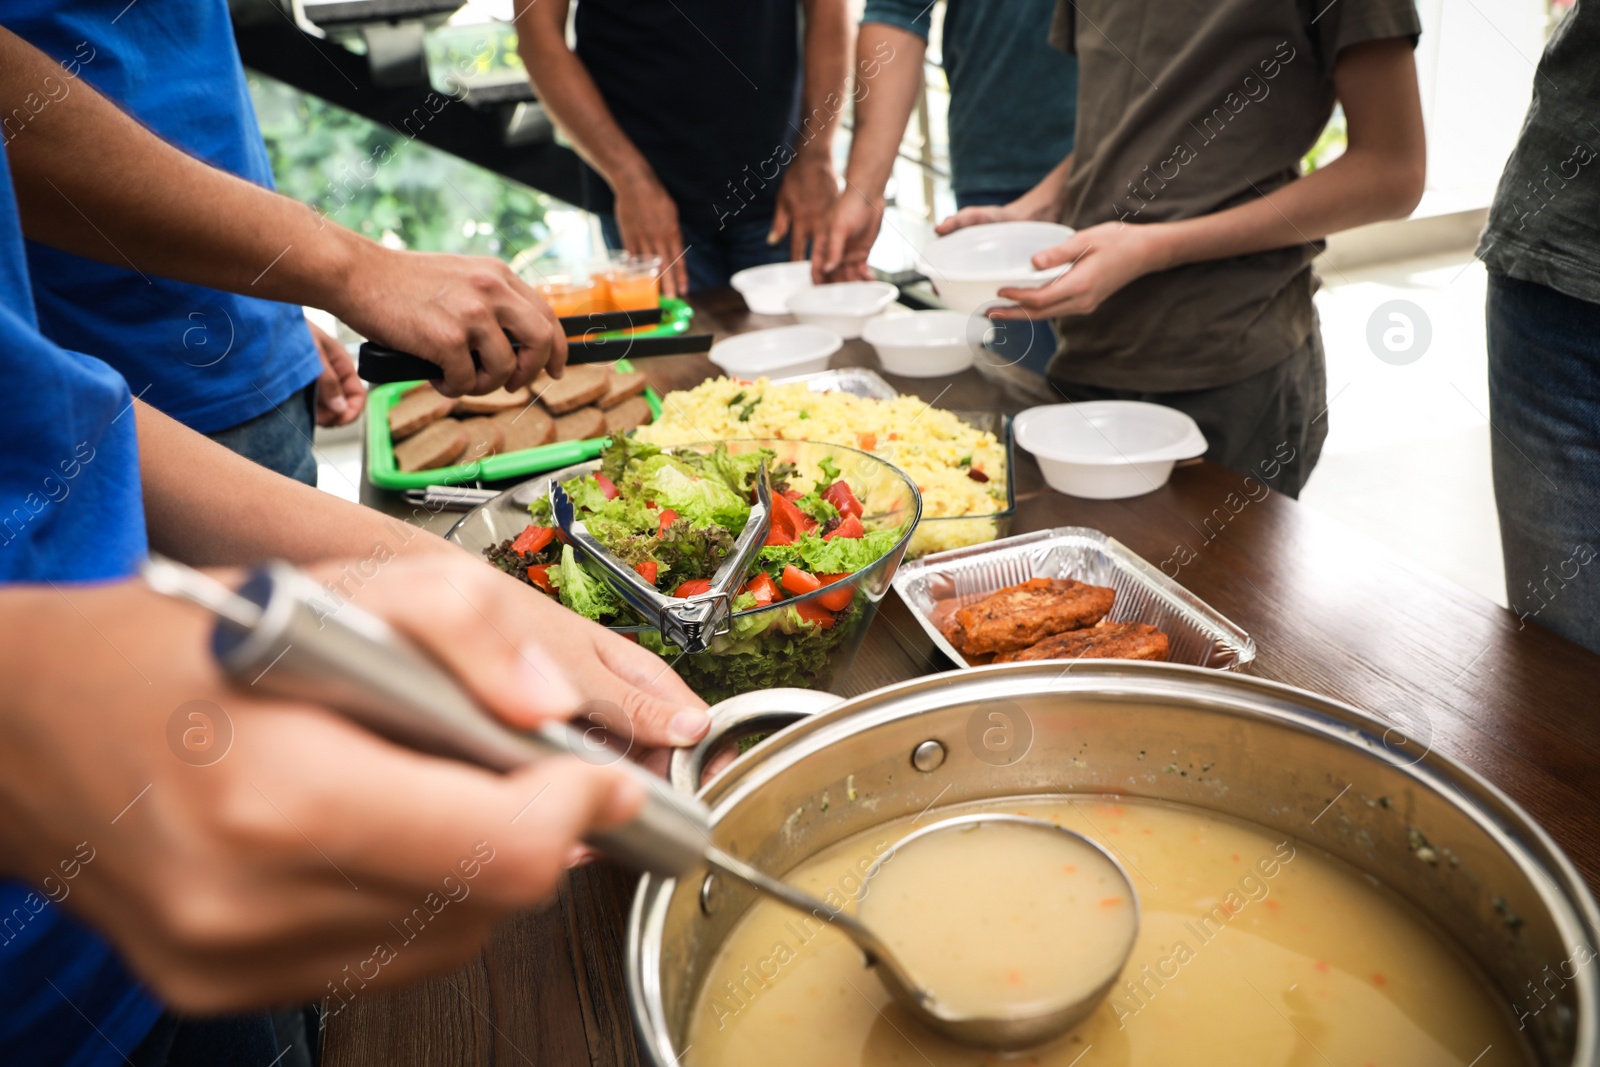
{"x":380,"y":364}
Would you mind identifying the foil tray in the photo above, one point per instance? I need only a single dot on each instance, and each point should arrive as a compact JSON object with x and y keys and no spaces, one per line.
{"x":857,"y":381}
{"x":937,"y":586}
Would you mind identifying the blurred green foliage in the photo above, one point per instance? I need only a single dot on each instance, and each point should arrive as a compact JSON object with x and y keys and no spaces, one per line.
{"x":379,"y":182}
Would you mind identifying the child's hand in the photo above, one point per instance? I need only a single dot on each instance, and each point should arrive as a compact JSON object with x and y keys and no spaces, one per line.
{"x":1104,"y":258}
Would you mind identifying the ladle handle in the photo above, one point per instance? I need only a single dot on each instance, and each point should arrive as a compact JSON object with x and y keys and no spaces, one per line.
{"x":311,"y":646}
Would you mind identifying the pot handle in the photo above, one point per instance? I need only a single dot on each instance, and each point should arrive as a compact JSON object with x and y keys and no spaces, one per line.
{"x":770,"y":708}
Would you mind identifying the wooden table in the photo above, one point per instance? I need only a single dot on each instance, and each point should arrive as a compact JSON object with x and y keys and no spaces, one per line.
{"x":1330,"y":611}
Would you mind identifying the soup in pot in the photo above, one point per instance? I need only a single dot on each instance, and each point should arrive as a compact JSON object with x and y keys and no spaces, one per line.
{"x":1251,"y":950}
{"x":1026,"y":919}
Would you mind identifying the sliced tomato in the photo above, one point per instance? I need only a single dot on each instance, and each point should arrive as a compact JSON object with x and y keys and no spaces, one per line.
{"x":693,"y":587}
{"x":797,"y":582}
{"x":533,"y":539}
{"x":813,"y":612}
{"x":668,"y":517}
{"x":839,"y":495}
{"x":539,"y":575}
{"x":649,"y":570}
{"x":607,"y":486}
{"x":763,"y":588}
{"x":778,"y":535}
{"x":790,"y":519}
{"x":791,"y":494}
{"x":836,"y":599}
{"x":850,"y":527}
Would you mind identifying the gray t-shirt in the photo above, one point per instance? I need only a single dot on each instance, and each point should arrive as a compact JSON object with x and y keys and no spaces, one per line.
{"x":1185,"y":109}
{"x":1544,"y":225}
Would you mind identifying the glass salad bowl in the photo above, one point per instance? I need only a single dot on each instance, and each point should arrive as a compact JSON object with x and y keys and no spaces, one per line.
{"x":804,"y":639}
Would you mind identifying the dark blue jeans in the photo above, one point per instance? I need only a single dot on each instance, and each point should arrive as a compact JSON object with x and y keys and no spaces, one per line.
{"x":712,"y":256}
{"x":1544,"y":412}
{"x":280,"y":439}
{"x":1018,"y":343}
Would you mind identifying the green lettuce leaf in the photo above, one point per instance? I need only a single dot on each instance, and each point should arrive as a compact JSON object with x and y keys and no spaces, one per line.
{"x":582,"y":591}
{"x":703,"y":501}
{"x":842,"y":555}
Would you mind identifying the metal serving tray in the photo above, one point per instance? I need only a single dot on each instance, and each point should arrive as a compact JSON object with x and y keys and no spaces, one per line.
{"x":857,"y":381}
{"x":936,"y":586}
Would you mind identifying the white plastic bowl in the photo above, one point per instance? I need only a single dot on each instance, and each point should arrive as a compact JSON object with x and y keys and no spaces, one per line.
{"x":1107,"y":449}
{"x":781,"y":350}
{"x":968,"y":267}
{"x":843,"y":307}
{"x":767,"y":289}
{"x":925,"y":344}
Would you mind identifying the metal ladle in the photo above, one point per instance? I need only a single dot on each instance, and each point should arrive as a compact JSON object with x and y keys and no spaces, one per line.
{"x":279,"y":634}
{"x":1004,"y":1032}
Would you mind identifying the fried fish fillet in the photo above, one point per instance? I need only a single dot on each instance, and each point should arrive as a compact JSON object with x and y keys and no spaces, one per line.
{"x":1107,"y":640}
{"x":1021,"y":615}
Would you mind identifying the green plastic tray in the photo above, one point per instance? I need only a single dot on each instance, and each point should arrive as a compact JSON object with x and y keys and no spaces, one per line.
{"x":385,"y":474}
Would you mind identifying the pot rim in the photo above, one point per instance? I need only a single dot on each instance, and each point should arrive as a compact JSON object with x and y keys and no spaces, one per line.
{"x":1572,"y":905}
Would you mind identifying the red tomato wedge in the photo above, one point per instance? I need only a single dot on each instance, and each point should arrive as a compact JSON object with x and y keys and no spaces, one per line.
{"x":839,"y":495}
{"x":648,"y":570}
{"x":539,"y":575}
{"x":668,"y":517}
{"x":850,"y":527}
{"x":836,"y":599}
{"x":777,"y":535}
{"x":763,"y":588}
{"x":797,"y":582}
{"x":607,"y":486}
{"x":813,"y":612}
{"x":693,"y":587}
{"x":533,"y":539}
{"x":790,"y":519}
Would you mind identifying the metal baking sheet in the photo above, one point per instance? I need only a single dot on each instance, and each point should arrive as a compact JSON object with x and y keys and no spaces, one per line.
{"x":855,"y":380}
{"x":936,"y":586}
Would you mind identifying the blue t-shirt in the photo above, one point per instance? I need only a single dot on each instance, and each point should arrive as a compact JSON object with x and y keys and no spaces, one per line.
{"x":1013,"y":98}
{"x":207,"y":358}
{"x":70,"y":511}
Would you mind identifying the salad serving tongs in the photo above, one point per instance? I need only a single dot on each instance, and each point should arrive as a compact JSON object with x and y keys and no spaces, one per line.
{"x":687,"y":622}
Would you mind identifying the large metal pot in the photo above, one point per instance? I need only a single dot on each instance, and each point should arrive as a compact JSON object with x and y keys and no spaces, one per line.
{"x":1318,"y":771}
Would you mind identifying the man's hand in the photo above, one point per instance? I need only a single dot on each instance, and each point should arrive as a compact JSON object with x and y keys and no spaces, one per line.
{"x":340,"y":392}
{"x":848,"y":234}
{"x":445,"y":308}
{"x":809,"y":188}
{"x":1104,"y":258}
{"x":648,"y":220}
{"x":247,"y":850}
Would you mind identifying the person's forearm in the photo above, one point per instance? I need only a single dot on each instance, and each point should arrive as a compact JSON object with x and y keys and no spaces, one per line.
{"x":827,"y":69}
{"x":207,"y":506}
{"x":571,"y":97}
{"x":91,"y":180}
{"x":1048,"y":199}
{"x":1353,"y":190}
{"x":884,"y":103}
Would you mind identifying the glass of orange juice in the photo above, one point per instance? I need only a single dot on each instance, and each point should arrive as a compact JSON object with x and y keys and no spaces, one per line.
{"x":635,"y":283}
{"x":568,"y":294}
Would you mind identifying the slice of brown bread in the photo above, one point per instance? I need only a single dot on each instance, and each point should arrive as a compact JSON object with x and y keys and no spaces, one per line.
{"x":634,"y":411}
{"x":581,"y":425}
{"x":438,"y":445}
{"x":417,"y":408}
{"x":526,"y":427}
{"x":493,"y":403}
{"x":483,"y":438}
{"x":621,"y":386}
{"x":579,"y":386}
